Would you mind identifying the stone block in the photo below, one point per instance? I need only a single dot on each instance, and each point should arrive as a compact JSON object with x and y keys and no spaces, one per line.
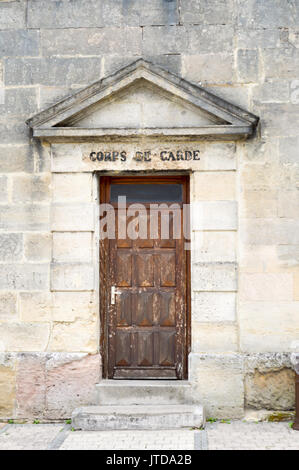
{"x":72,"y":277}
{"x":266,"y":362}
{"x":261,"y":177}
{"x":11,"y":247}
{"x":258,"y":14}
{"x":266,"y":286}
{"x":52,"y":71}
{"x":214,"y":277}
{"x":213,"y":307}
{"x":72,"y":187}
{"x":209,"y":39}
{"x":67,"y":158}
{"x":7,"y":389}
{"x":214,"y":215}
{"x":221,"y":156}
{"x":65,"y":388}
{"x":3,"y":189}
{"x":143,"y":392}
{"x":88,"y":41}
{"x":268,"y":326}
{"x":208,"y":68}
{"x":236,"y":94}
{"x":260,"y":151}
{"x":19,"y":101}
{"x":257,"y":203}
{"x":24,"y":276}
{"x":68,"y":14}
{"x":31,"y":385}
{"x":288,"y":150}
{"x":74,"y":306}
{"x":19,"y":43}
{"x":143,"y":13}
{"x":158,"y":40}
{"x":214,"y":338}
{"x":8,"y":307}
{"x":29,"y":217}
{"x":218,"y":383}
{"x":24,"y":336}
{"x":72,"y":247}
{"x":206,"y":13}
{"x":258,"y":38}
{"x":78,"y":336}
{"x":281,"y":63}
{"x":257,"y":258}
{"x":286,"y":125}
{"x":270,"y":231}
{"x":38,"y":246}
{"x":247,"y":66}
{"x":288,"y":204}
{"x":27,"y":188}
{"x":15,"y":159}
{"x":35,"y":306}
{"x":272,"y":390}
{"x":73,"y":217}
{"x":288,"y":256}
{"x":214,"y":186}
{"x":13,"y":130}
{"x":114,"y":417}
{"x":50,"y":386}
{"x":208,"y":247}
{"x":271,"y":91}
{"x":12,"y":15}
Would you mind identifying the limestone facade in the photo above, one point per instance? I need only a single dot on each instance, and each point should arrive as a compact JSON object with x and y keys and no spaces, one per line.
{"x":244,"y":194}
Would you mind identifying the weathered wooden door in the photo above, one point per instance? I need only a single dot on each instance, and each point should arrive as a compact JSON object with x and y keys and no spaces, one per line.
{"x":145,"y":284}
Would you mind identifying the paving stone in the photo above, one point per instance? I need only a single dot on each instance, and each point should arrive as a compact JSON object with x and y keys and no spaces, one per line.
{"x":238,"y":435}
{"x":252,"y":436}
{"x":130,"y":440}
{"x":28,"y":436}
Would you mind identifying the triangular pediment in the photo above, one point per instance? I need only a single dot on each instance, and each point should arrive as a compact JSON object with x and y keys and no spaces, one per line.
{"x":142,"y":99}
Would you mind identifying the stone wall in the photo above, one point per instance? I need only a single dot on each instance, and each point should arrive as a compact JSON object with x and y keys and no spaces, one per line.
{"x":245,"y":303}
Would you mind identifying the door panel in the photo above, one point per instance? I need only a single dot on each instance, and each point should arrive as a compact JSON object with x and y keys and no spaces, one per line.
{"x":146,"y":326}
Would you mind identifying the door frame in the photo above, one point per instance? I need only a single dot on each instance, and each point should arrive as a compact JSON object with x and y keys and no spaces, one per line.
{"x":104,"y":267}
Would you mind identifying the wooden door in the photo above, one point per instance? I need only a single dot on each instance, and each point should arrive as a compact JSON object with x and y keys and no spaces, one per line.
{"x":145,"y":284}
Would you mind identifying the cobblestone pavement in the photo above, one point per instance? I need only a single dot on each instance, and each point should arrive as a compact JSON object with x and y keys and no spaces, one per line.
{"x":237,"y":435}
{"x":252,"y":436}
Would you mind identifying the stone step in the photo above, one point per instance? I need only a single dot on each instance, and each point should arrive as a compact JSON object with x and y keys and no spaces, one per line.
{"x":143,"y":392}
{"x":107,"y":418}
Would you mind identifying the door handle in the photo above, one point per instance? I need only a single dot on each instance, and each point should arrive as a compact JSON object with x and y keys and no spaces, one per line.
{"x":114,"y":291}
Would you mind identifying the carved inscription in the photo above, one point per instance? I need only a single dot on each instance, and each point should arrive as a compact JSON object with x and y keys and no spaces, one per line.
{"x":144,"y":156}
